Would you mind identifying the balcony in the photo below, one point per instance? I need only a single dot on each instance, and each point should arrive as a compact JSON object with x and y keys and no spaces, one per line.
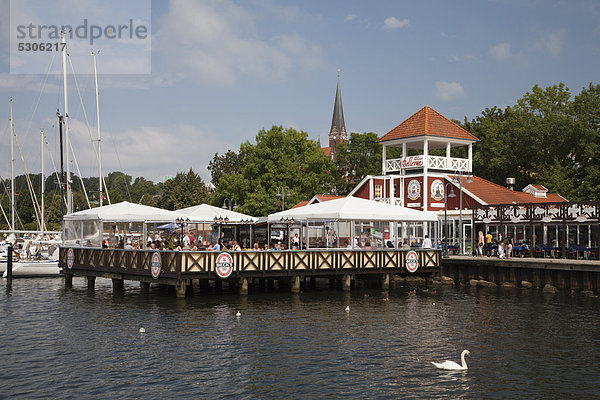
{"x":432,"y":162}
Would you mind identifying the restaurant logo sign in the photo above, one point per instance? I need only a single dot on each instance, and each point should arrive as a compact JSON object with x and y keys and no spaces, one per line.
{"x":412,"y":261}
{"x":155,"y":265}
{"x":70,"y":258}
{"x":437,"y":190}
{"x":412,"y":161}
{"x":224,"y":265}
{"x":414,"y":189}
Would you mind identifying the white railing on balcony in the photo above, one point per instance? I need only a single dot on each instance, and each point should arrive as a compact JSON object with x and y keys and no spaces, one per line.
{"x":433,"y":162}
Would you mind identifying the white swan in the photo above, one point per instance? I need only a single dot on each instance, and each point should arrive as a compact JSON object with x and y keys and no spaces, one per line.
{"x":238,"y":314}
{"x":451,"y":365}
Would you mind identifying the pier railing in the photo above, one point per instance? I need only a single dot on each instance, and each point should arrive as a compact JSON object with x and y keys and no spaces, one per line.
{"x":188,"y":264}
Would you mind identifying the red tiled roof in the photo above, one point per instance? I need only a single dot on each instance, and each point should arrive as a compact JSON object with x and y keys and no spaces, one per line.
{"x":492,"y":193}
{"x":327,"y":197}
{"x":301,"y":204}
{"x":320,"y":198}
{"x":326,"y":151}
{"x":427,"y":121}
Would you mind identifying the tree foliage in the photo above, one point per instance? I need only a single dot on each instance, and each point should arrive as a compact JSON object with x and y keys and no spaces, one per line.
{"x":281,"y":158}
{"x":184,"y":190}
{"x":546,"y":138}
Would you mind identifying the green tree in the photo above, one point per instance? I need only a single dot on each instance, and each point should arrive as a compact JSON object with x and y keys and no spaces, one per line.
{"x":226,"y":164}
{"x":280,"y":158}
{"x":184,"y":190}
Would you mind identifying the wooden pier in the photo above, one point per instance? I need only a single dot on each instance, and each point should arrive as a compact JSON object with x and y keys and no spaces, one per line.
{"x":179,"y":268}
{"x":577,"y":275}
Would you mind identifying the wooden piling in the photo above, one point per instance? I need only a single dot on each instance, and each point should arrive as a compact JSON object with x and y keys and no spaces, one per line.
{"x":244,"y":286}
{"x":346,"y":282}
{"x":91,"y":282}
{"x":145,"y":287}
{"x":296,"y":284}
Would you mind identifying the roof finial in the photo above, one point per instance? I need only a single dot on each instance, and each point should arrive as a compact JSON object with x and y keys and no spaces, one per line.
{"x":339,"y":73}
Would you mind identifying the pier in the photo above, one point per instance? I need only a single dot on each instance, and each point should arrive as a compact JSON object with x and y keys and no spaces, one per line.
{"x":238,"y":268}
{"x":571,"y":274}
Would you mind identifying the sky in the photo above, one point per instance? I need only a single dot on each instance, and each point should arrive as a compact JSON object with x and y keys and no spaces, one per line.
{"x":211,"y":74}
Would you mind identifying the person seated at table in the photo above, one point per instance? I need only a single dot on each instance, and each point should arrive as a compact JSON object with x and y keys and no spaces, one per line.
{"x":256,"y":247}
{"x":235,"y":246}
{"x":215,"y":246}
{"x":426,"y":243}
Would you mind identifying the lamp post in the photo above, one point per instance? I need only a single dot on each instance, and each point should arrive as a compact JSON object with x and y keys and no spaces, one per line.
{"x":229,"y":204}
{"x":283,"y":191}
{"x":219,"y":221}
{"x":248,"y":222}
{"x":182,"y":224}
{"x":446,"y":195}
{"x":287,"y":222}
{"x":458,"y":179}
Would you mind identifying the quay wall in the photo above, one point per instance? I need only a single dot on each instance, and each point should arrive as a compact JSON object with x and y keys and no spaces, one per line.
{"x":576,"y":275}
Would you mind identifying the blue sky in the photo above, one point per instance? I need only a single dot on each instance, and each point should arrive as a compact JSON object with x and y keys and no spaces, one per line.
{"x":222,"y":70}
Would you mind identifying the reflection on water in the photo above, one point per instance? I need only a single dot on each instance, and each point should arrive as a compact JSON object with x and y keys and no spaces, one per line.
{"x":79,"y":343}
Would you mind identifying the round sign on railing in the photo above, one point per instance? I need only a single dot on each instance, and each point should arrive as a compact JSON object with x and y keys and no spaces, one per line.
{"x":70,"y":258}
{"x":412,"y":261}
{"x":224,"y":265}
{"x":155,"y":265}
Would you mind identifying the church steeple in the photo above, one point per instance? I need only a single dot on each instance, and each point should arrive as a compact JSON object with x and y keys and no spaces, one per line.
{"x":337,"y":133}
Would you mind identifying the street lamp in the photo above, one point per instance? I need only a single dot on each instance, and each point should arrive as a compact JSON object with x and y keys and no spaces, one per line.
{"x":182,"y":224}
{"x":446,"y":195}
{"x":458,"y":179}
{"x":229,"y":204}
{"x":283,"y":191}
{"x":219,"y":221}
{"x":287,"y":222}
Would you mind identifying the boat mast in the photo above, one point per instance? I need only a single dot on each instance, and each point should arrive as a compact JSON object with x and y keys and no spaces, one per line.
{"x":12,"y":169}
{"x":99,"y":137}
{"x":42,"y":225}
{"x":66,"y":122}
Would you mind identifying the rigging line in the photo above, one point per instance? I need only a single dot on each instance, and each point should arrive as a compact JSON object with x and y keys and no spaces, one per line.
{"x":80,"y":178}
{"x":34,"y":200}
{"x":57,"y":177}
{"x":37,"y":103}
{"x":87,"y":122}
{"x":6,"y":218}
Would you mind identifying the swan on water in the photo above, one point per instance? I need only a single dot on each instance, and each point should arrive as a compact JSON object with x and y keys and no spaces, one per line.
{"x":142,"y":330}
{"x":451,"y":365}
{"x":347,"y":308}
{"x":238,"y":314}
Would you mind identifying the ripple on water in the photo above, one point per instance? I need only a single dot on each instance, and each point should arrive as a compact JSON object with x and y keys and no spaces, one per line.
{"x":75,"y":343}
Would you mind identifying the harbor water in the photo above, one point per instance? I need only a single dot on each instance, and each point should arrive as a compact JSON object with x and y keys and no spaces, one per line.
{"x":75,"y":343}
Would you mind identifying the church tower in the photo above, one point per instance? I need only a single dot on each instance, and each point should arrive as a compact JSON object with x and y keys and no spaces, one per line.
{"x":337,"y":133}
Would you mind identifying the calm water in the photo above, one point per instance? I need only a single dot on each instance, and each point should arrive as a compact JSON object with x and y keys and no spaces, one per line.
{"x":59,"y":343}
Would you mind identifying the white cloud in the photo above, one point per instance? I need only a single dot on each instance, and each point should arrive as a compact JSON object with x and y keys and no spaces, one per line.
{"x":447,"y":91}
{"x":350,"y":17}
{"x":553,"y":43}
{"x":501,"y":51}
{"x":217,"y":43}
{"x":466,"y":58}
{"x":393,"y":23}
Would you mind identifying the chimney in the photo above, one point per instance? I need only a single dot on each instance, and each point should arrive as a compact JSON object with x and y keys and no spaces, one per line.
{"x":510,"y":183}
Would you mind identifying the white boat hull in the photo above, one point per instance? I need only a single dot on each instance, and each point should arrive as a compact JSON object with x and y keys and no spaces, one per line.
{"x":34,"y":269}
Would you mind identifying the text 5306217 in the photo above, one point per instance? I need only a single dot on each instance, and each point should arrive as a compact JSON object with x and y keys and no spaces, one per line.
{"x":44,"y":46}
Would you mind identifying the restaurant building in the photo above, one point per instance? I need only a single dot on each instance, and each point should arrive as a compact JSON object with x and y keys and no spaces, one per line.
{"x":430,"y":175}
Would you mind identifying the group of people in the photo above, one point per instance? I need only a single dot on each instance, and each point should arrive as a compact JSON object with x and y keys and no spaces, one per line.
{"x":486,"y":242}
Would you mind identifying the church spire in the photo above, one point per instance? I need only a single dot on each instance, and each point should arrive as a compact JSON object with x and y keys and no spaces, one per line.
{"x":337,"y":133}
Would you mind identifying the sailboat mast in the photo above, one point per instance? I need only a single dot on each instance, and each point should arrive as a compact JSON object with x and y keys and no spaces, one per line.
{"x":66,"y":122}
{"x":43,"y":224}
{"x":12,"y":169}
{"x":99,"y":137}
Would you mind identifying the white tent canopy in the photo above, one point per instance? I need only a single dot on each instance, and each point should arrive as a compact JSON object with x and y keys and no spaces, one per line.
{"x":205,"y":213}
{"x":125,"y":212}
{"x":354,"y":208}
